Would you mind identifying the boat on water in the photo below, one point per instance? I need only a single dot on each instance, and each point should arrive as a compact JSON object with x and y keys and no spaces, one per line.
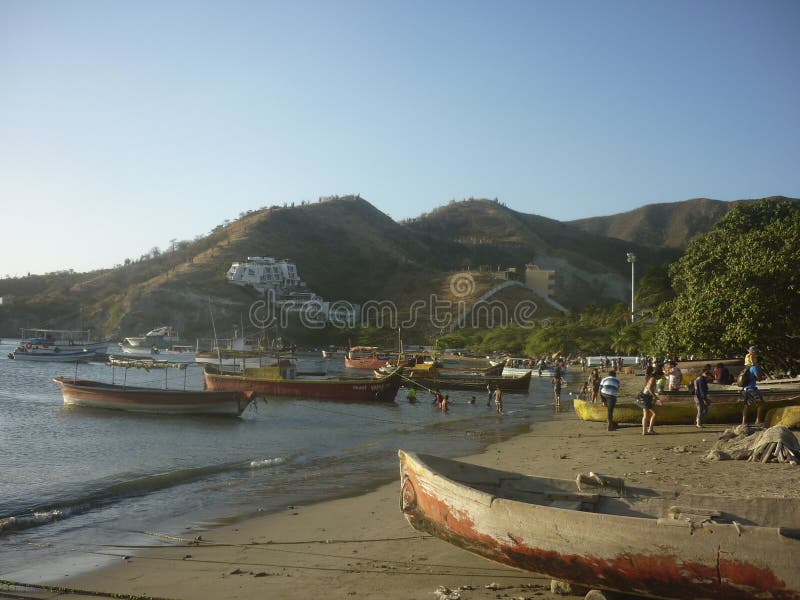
{"x":598,"y":533}
{"x":159,"y":337}
{"x":174,"y":353}
{"x":94,"y":394}
{"x":56,"y":345}
{"x":432,"y":377}
{"x":678,"y":408}
{"x":368,"y":357}
{"x":282,"y":379}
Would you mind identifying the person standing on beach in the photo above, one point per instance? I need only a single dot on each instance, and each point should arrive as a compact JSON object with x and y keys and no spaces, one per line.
{"x":750,"y":393}
{"x":594,"y":385}
{"x":649,"y":400}
{"x":701,"y":400}
{"x":498,"y":400}
{"x":557,"y":382}
{"x":609,"y":390}
{"x":675,"y":376}
{"x":489,"y":397}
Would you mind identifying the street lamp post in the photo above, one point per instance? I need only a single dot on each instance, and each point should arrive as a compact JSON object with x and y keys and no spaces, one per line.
{"x":632,"y":260}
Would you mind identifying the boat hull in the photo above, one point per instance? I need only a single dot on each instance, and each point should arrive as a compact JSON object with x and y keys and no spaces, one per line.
{"x":519,"y":521}
{"x":679,"y":408}
{"x":354,"y":390}
{"x":92,"y":394}
{"x":61,"y":356}
{"x":508,"y":385}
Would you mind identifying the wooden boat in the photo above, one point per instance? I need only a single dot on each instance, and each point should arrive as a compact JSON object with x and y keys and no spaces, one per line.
{"x":604,"y":535}
{"x":678,"y":408}
{"x":435,"y":378}
{"x":281,"y":380}
{"x":367,"y":357}
{"x":93,"y":394}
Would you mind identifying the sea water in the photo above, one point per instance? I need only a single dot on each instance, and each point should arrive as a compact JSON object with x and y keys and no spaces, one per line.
{"x":73,"y":480}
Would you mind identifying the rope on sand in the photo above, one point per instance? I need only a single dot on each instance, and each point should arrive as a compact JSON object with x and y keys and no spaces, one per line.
{"x":9,"y":585}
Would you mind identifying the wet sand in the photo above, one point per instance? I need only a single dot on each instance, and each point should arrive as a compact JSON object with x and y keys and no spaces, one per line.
{"x":362,"y":547}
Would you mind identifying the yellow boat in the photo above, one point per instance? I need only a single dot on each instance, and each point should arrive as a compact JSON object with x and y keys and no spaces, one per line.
{"x":679,"y":408}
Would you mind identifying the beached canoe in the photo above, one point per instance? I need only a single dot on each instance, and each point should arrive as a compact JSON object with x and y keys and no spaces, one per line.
{"x":94,"y":394}
{"x":604,"y":535}
{"x":678,"y":408}
{"x":281,"y":380}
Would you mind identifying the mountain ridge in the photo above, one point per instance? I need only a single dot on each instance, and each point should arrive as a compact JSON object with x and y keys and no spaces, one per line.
{"x":345,"y":249}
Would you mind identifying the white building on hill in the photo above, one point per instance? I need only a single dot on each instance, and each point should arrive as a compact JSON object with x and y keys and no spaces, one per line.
{"x":264,"y":273}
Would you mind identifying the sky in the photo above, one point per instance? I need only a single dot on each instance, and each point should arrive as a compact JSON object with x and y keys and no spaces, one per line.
{"x":124,"y":125}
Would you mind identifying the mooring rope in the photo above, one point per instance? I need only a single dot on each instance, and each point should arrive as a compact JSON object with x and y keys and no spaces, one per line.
{"x":9,"y":585}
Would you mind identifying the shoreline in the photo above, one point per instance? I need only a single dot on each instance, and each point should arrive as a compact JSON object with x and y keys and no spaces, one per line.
{"x":360,"y":545}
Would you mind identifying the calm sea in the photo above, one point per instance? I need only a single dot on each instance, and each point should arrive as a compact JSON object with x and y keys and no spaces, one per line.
{"x":74,"y":479}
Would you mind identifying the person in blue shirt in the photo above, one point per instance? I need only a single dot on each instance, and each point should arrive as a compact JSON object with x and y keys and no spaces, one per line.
{"x":609,"y":390}
{"x":751,"y":395}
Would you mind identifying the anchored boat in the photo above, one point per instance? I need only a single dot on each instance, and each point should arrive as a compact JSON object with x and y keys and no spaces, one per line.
{"x":281,"y":379}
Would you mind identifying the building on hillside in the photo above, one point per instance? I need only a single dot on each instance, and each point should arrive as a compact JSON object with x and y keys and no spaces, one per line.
{"x":264,"y":273}
{"x":6,"y":300}
{"x":541,"y":281}
{"x":280,"y":277}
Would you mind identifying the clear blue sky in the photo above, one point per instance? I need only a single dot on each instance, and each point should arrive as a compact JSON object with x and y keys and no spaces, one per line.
{"x":126,"y":124}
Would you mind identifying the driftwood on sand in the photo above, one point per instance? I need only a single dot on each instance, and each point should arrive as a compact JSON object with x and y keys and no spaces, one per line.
{"x":776,"y":444}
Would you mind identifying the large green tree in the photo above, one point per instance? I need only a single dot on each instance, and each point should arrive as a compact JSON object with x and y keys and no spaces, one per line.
{"x":738,"y":285}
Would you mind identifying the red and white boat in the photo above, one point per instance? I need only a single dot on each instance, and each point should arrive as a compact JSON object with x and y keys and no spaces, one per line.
{"x":367,"y":357}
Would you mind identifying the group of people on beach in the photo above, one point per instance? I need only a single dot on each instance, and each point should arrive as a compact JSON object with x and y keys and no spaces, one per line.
{"x":669,"y":378}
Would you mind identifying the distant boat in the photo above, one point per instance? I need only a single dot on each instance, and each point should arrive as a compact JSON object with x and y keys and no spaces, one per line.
{"x":281,"y":380}
{"x":367,"y":357}
{"x":598,"y":533}
{"x":514,"y":367}
{"x":432,"y":377}
{"x":160,"y":337}
{"x":56,"y":345}
{"x":93,"y":394}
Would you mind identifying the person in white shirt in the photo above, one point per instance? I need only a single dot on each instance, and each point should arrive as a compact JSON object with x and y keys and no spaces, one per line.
{"x":609,"y":390}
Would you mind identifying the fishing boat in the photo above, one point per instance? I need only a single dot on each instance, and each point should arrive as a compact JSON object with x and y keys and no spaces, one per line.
{"x":598,"y":533}
{"x":367,"y":357}
{"x":678,"y":408}
{"x":436,"y":378}
{"x":56,"y":345}
{"x":281,"y":379}
{"x":94,"y":394}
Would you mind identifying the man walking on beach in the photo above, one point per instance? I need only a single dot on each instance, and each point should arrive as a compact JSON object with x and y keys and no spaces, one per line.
{"x":750,"y":392}
{"x":609,"y":390}
{"x":700,"y":389}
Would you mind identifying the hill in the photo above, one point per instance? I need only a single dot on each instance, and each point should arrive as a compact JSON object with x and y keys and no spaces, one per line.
{"x":666,"y":225}
{"x":345,"y":249}
{"x":590,"y":268}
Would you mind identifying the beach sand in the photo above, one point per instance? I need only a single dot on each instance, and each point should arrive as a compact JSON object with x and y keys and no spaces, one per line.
{"x":362,"y":547}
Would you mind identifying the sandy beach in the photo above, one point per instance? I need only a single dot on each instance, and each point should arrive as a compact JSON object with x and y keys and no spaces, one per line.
{"x":362,"y":547}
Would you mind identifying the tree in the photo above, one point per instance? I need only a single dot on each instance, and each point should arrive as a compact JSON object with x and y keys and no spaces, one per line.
{"x":738,"y":285}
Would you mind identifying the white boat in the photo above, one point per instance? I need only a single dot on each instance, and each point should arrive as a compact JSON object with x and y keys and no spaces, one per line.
{"x":160,"y":337}
{"x":515,"y":367}
{"x":173,"y":353}
{"x":58,"y":345}
{"x":55,"y":355}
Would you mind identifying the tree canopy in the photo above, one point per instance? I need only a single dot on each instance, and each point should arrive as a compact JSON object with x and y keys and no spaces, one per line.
{"x":738,"y":285}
